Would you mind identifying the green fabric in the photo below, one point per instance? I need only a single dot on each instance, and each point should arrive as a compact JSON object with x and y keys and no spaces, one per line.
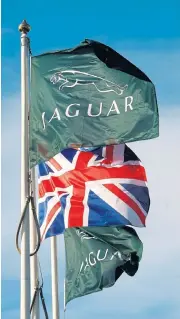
{"x":88,"y":96}
{"x":97,"y":256}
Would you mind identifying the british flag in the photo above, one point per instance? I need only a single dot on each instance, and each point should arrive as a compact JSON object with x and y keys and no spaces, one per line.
{"x":102,"y":187}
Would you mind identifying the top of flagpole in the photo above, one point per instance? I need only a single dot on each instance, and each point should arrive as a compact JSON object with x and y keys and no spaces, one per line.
{"x":24,"y":27}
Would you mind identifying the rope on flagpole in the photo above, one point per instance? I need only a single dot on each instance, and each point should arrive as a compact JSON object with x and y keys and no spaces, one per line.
{"x":39,"y":290}
{"x":35,"y":296}
{"x":30,"y":52}
{"x":28,"y":200}
{"x":37,"y":227}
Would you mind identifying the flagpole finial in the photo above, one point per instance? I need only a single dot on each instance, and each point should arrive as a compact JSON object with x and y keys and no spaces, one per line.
{"x":24,"y":27}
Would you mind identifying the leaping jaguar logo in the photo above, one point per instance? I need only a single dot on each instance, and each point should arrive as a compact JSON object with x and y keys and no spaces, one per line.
{"x":84,"y":236}
{"x":72,"y":78}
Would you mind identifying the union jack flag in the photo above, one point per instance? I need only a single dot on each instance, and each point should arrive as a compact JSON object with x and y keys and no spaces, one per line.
{"x":102,"y":187}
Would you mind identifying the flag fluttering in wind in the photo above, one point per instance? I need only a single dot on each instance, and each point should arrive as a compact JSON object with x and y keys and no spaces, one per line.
{"x":102,"y":187}
{"x":88,"y":96}
{"x":97,"y":256}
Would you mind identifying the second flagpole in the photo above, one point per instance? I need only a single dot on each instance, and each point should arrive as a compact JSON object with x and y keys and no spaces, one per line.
{"x":34,"y":259}
{"x":54,"y":278}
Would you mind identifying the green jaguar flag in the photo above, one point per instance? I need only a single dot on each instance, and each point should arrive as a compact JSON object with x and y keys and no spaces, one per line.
{"x":88,"y":96}
{"x":97,"y":256}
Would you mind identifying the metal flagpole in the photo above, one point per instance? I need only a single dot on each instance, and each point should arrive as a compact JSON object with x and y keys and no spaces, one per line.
{"x":24,"y":28}
{"x":64,"y":297}
{"x":54,"y":276}
{"x":34,"y":258}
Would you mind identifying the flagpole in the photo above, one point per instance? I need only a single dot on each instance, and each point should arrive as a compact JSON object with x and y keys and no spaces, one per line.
{"x":24,"y":28}
{"x":54,"y":276}
{"x":34,"y":259}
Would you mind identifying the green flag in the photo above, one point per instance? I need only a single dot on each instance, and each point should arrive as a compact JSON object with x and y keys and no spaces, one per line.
{"x":88,"y":96}
{"x":97,"y":256}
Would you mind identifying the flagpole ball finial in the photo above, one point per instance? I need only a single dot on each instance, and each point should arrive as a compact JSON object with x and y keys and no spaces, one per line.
{"x":24,"y":27}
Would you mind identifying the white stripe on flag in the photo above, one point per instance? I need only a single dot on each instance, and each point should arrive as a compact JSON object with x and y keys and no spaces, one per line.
{"x":86,"y":207}
{"x":67,"y":207}
{"x":118,"y":154}
{"x":117,"y":204}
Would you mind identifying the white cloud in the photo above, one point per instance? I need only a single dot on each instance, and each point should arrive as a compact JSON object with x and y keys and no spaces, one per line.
{"x":163,"y":45}
{"x":5,"y":31}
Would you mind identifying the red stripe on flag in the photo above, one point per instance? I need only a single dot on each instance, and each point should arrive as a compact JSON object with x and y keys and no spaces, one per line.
{"x":109,"y":154}
{"x":51,"y":214}
{"x":126,"y":171}
{"x":77,"y":208}
{"x":125,"y":198}
{"x":55,"y":164}
{"x":83,"y":160}
{"x":45,"y":187}
{"x":49,"y":185}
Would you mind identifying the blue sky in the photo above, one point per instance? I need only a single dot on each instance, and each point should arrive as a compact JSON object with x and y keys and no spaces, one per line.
{"x":148,"y":34}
